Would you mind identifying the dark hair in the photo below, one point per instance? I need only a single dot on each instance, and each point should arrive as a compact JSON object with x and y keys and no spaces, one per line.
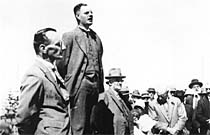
{"x":77,"y":8}
{"x":41,"y":38}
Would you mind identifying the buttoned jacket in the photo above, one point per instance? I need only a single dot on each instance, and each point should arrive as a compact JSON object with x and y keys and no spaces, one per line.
{"x":74,"y":63}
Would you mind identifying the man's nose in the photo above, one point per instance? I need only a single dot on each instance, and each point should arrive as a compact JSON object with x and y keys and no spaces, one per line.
{"x":63,"y":47}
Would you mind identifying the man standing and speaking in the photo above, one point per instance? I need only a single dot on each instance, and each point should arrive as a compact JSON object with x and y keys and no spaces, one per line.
{"x":82,"y":69}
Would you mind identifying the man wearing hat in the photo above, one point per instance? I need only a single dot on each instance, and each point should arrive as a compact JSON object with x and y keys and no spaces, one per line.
{"x":203,"y":113}
{"x":135,"y":96}
{"x":122,"y":119}
{"x":169,"y":113}
{"x":151,"y":92}
{"x":192,"y":97}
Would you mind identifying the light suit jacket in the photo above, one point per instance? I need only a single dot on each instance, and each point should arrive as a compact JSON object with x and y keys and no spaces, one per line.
{"x":176,"y":116}
{"x":73,"y":65}
{"x":42,"y":108}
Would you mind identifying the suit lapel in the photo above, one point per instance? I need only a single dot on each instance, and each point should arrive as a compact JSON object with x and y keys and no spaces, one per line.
{"x":116,"y":100}
{"x":49,"y":76}
{"x":81,"y":40}
{"x":170,"y":109}
{"x":163,"y":111}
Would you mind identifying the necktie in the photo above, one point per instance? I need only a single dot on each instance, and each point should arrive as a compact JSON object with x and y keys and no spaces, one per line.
{"x":60,"y":81}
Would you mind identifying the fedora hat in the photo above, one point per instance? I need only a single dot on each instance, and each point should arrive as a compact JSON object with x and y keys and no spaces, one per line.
{"x":195,"y":81}
{"x":115,"y":73}
{"x":151,"y":90}
{"x":136,"y":93}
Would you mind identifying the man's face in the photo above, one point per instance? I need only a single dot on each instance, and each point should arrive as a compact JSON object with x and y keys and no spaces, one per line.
{"x":151,"y":94}
{"x":196,"y":87}
{"x":162,"y":98}
{"x":116,"y":84}
{"x":85,"y":16}
{"x":54,"y":49}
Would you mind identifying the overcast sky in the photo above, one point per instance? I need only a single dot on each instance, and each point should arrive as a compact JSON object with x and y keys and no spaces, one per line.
{"x":156,"y":43}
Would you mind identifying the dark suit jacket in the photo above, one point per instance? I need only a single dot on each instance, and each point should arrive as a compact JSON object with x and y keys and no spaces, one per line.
{"x":73,"y":65}
{"x":42,"y":107}
{"x":203,"y":113}
{"x":122,"y":121}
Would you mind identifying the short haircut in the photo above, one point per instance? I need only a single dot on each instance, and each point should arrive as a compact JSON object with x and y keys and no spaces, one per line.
{"x":41,"y":38}
{"x":77,"y":8}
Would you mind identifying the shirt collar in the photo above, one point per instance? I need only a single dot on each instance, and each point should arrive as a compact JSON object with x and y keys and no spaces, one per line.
{"x":83,"y":28}
{"x":49,"y":65}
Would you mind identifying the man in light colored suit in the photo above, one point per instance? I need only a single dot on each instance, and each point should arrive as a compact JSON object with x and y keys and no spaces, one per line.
{"x":169,"y":112}
{"x":122,"y":121}
{"x":43,"y":106}
{"x":82,"y":69}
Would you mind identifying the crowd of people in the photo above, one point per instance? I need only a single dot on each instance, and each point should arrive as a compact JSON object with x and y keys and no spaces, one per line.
{"x":63,"y":93}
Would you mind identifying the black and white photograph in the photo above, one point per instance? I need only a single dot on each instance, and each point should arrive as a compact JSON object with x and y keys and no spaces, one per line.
{"x":114,"y":67}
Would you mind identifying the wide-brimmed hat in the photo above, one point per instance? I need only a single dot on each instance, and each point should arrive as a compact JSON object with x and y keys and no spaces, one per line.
{"x":151,"y":90}
{"x":136,"y":93}
{"x":195,"y":81}
{"x":115,"y":73}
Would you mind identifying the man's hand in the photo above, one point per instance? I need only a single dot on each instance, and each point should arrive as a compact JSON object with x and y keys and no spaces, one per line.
{"x":161,"y":126}
{"x":172,"y":131}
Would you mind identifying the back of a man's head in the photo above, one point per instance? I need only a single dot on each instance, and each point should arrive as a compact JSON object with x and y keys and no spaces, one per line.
{"x":41,"y":38}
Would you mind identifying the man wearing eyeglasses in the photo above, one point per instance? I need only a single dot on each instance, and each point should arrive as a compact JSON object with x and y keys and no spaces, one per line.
{"x":43,"y":101}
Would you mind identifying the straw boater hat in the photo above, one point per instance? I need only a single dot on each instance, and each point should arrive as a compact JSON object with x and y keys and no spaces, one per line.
{"x":195,"y":81}
{"x":115,"y":73}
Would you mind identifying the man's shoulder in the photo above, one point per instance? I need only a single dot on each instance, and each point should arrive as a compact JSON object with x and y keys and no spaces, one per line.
{"x":72,"y":32}
{"x":34,"y":70}
{"x":106,"y":95}
{"x":175,"y":100}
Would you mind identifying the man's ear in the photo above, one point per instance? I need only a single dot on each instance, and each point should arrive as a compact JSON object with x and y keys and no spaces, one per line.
{"x":77,"y":16}
{"x":42,"y":48}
